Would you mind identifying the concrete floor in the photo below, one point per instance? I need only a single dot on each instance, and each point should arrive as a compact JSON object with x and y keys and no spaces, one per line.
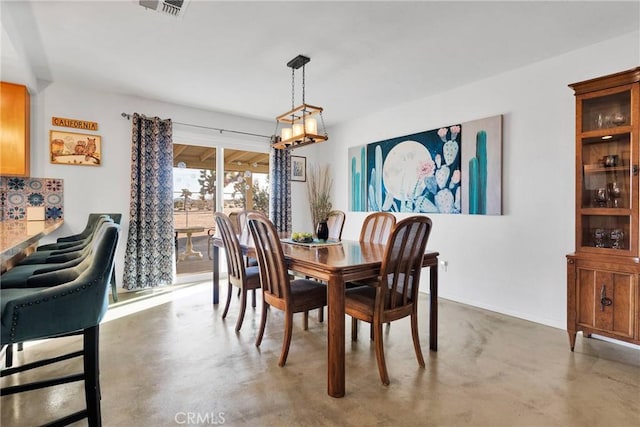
{"x":179,"y":363}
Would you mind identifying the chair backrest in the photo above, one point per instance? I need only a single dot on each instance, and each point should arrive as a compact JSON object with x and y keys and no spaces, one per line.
{"x":335,"y":222}
{"x":56,"y":275}
{"x":233,"y":216}
{"x":235,"y":262}
{"x":274,"y":276}
{"x":402,"y":264}
{"x":377,"y":227}
{"x":65,"y":308}
{"x":243,"y":226}
{"x":92,"y":221}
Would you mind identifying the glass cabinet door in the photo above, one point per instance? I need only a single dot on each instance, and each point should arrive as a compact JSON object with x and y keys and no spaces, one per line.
{"x":605,"y":153}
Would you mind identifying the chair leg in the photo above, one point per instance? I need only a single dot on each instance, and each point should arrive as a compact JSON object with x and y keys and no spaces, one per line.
{"x":354,"y":329}
{"x":286,"y":342}
{"x":263,"y":322}
{"x":92,"y":375}
{"x":253,"y":298}
{"x":243,"y":307}
{"x":382,"y":366}
{"x":305,"y":321}
{"x":226,"y":307}
{"x":114,"y":288}
{"x":416,"y":339}
{"x":8,"y":361}
{"x":321,"y":314}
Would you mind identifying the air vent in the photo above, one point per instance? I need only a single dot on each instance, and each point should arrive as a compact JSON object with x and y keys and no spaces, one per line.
{"x":166,"y":7}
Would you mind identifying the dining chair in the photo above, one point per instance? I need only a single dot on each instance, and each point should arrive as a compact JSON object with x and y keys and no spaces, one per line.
{"x":239,"y":275}
{"x":396,"y":294}
{"x":278,"y":290}
{"x":335,"y":222}
{"x":377,"y":227}
{"x":244,"y":234}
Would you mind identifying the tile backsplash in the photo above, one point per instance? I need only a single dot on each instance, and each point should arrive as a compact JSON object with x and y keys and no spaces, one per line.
{"x":19,"y":193}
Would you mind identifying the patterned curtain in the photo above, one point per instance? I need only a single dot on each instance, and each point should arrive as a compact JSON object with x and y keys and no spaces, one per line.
{"x":280,"y":189}
{"x":149,"y":256}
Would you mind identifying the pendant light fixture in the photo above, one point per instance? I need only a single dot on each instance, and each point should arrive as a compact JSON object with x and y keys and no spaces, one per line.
{"x":299,"y":126}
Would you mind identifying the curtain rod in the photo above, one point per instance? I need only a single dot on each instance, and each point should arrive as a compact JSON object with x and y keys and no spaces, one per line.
{"x":128,"y":117}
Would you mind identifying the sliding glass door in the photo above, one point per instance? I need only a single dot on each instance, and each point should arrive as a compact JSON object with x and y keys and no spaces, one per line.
{"x":244,"y":184}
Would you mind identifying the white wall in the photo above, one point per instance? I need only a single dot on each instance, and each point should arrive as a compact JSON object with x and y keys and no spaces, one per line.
{"x":514,"y":263}
{"x":105,"y":188}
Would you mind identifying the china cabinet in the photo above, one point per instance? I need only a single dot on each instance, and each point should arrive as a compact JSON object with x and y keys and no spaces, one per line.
{"x":14,"y":131}
{"x":603,"y":273}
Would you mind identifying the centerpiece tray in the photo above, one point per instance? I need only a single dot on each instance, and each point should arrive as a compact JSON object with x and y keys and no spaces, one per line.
{"x":312,"y":244}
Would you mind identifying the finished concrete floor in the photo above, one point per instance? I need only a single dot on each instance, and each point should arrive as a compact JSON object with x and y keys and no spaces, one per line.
{"x":179,"y":363}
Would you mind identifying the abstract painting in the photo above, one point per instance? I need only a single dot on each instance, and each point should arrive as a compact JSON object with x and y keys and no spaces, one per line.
{"x":482,"y":166}
{"x":454,"y":169}
{"x":415,"y":173}
{"x":358,"y":181}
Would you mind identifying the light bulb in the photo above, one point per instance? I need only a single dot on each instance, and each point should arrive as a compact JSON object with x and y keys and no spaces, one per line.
{"x":298,"y":129}
{"x":311,"y":126}
{"x":285,"y":134}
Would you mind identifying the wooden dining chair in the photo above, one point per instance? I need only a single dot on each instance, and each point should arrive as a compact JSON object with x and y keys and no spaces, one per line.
{"x":396,"y":295}
{"x":377,"y":227}
{"x":244,"y":278}
{"x":335,"y":222}
{"x":278,"y":291}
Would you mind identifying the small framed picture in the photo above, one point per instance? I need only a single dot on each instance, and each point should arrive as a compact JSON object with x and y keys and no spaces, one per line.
{"x":70,"y":148}
{"x":298,"y":168}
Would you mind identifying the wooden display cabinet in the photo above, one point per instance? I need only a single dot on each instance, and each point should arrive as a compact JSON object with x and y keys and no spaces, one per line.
{"x":604,"y":271}
{"x":14,"y":131}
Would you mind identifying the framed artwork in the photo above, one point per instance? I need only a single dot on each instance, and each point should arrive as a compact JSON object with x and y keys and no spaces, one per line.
{"x":358,"y":181}
{"x":482,"y":166}
{"x":456,"y":169}
{"x":417,"y":173}
{"x":298,"y":168}
{"x":70,"y":148}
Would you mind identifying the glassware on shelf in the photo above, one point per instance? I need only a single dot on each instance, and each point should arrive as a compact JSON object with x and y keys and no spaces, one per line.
{"x":599,"y":122}
{"x":615,"y":191}
{"x":610,"y":160}
{"x":601,"y":197}
{"x":618,"y":118}
{"x":599,"y":237}
{"x":617,"y":235}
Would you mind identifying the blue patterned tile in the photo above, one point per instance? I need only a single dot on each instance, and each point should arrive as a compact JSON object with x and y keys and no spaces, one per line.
{"x":17,"y":193}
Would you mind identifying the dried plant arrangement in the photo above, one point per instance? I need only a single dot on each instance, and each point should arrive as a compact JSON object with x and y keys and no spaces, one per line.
{"x":319,"y":183}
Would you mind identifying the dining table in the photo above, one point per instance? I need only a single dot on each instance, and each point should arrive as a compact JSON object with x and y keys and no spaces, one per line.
{"x":336,"y":264}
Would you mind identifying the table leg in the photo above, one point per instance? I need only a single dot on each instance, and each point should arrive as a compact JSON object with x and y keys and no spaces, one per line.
{"x":188,"y":251}
{"x":433,"y":309}
{"x":216,"y":274}
{"x":335,"y":337}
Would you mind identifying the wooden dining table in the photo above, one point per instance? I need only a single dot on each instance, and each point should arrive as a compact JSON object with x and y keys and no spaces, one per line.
{"x":338,"y":264}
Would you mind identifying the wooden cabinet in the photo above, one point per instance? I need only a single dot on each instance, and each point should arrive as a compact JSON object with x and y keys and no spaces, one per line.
{"x":604,"y":271}
{"x":14,"y":129}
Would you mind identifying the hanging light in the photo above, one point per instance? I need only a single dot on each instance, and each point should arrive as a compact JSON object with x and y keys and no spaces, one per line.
{"x":298,"y":126}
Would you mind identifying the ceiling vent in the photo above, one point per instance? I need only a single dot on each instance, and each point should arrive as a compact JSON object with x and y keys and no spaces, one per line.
{"x":166,"y":7}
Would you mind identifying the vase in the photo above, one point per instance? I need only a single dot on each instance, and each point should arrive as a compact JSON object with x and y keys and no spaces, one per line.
{"x":322,"y":231}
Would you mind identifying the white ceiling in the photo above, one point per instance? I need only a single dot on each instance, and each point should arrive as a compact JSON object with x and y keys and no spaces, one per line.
{"x":365,"y":56}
